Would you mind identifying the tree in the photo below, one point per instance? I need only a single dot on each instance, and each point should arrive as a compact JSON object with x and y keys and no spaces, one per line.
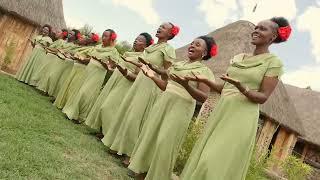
{"x":123,"y":47}
{"x":86,"y":30}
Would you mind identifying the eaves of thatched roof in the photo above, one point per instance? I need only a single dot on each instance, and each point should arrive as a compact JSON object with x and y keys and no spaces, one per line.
{"x":307,"y":105}
{"x":37,"y":12}
{"x":233,"y":39}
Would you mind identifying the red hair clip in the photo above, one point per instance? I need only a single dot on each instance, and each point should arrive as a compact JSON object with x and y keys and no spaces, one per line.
{"x":95,"y":37}
{"x":79,"y":36}
{"x":151,"y":41}
{"x":284,"y":32}
{"x":64,"y":33}
{"x":175,"y":30}
{"x":113,"y":36}
{"x":214,"y":50}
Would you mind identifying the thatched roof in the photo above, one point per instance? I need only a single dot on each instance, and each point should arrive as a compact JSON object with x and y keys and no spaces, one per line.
{"x":233,"y":39}
{"x":307,"y":104}
{"x":38,"y":12}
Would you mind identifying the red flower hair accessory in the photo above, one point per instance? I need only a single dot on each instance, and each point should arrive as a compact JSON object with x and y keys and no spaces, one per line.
{"x":214,"y":50}
{"x":113,"y":36}
{"x":151,"y":41}
{"x":64,"y":33}
{"x":175,"y":30}
{"x":79,"y":36}
{"x":95,"y":37}
{"x":284,"y":32}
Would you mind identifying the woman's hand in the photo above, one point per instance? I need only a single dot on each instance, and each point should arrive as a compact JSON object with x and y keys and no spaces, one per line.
{"x":196,"y":77}
{"x":143,"y":61}
{"x":125,"y":59}
{"x":230,"y":80}
{"x":181,"y":80}
{"x":123,"y":71}
{"x":147,"y":71}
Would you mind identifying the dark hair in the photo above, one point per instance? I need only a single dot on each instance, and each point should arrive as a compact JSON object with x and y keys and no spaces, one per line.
{"x":76,"y":32}
{"x":281,"y":22}
{"x":209,"y":42}
{"x":148,"y":38}
{"x":48,"y":26}
{"x":110,"y":30}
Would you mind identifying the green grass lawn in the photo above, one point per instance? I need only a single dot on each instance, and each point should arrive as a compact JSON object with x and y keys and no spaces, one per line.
{"x":38,"y":142}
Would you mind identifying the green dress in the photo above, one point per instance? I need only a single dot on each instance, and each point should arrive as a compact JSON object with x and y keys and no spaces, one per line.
{"x":27,"y":71}
{"x":164,"y":129}
{"x":73,"y":81}
{"x":103,"y":111}
{"x":77,"y":108}
{"x":224,"y":150}
{"x":124,"y":131}
{"x":46,"y":72}
{"x":61,"y":70}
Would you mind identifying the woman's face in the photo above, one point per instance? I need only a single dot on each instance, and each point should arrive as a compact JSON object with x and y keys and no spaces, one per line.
{"x":45,"y":31}
{"x":164,"y":31}
{"x":264,"y":33}
{"x":106,"y":38}
{"x":58,"y":34}
{"x":139,"y":44}
{"x":197,"y":49}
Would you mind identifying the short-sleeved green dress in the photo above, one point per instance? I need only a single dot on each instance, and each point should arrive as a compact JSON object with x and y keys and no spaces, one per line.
{"x":72,"y":82}
{"x":121,"y":135}
{"x":27,"y":71}
{"x":77,"y":108}
{"x":164,"y":129}
{"x":225,"y":148}
{"x":117,"y":86}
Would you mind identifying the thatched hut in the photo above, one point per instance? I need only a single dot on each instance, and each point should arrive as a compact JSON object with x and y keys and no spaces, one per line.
{"x":20,"y":20}
{"x":279,"y":123}
{"x":306,"y":103}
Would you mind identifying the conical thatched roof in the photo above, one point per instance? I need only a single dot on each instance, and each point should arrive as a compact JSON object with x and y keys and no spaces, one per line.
{"x":233,"y":39}
{"x":38,"y":12}
{"x":307,"y":104}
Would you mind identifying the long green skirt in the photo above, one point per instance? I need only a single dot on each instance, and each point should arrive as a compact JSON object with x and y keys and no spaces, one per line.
{"x":124,"y":131}
{"x":73,"y":81}
{"x":104,"y":109}
{"x":59,"y":76}
{"x":27,"y":70}
{"x":81,"y":104}
{"x":39,"y":69}
{"x":225,"y":148}
{"x":47,"y":72}
{"x":158,"y":145}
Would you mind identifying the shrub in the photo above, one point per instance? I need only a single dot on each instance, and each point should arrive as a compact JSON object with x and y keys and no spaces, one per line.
{"x":123,"y":47}
{"x":295,"y":169}
{"x":257,"y":167}
{"x":9,"y":54}
{"x":194,"y":131}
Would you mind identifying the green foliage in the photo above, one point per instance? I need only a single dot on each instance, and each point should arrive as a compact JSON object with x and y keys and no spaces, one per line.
{"x":194,"y":131}
{"x":9,"y":54}
{"x":295,"y":169}
{"x":257,"y":167}
{"x":123,"y":47}
{"x":86,"y":30}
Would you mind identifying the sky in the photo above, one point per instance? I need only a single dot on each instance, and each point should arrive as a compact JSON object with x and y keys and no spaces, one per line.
{"x":300,"y":55}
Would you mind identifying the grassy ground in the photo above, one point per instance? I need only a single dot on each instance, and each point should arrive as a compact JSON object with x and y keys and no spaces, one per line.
{"x":37,"y":142}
